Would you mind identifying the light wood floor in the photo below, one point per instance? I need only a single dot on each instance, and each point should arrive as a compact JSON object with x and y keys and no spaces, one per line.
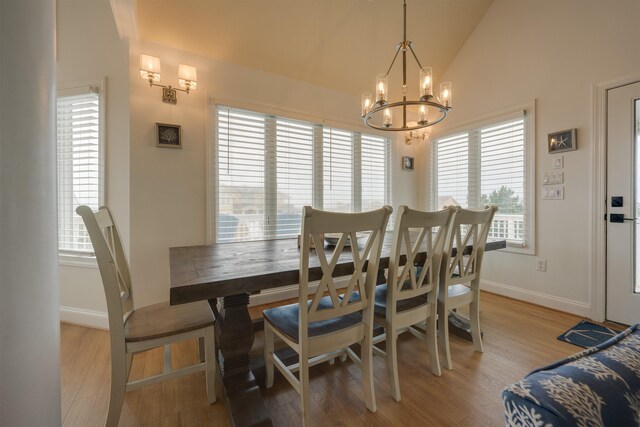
{"x":517,"y":337}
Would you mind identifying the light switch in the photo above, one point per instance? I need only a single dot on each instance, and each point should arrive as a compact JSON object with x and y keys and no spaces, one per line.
{"x":558,"y":163}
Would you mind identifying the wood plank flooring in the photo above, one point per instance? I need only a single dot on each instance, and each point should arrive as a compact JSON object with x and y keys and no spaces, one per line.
{"x":517,"y":337}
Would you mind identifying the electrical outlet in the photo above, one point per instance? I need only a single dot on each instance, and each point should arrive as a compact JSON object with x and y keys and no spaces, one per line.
{"x":541,"y":265}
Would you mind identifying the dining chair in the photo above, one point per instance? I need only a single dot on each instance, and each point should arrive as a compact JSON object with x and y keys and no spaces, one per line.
{"x":410,"y":296}
{"x":136,"y":330}
{"x":326,"y":324}
{"x":460,"y":274}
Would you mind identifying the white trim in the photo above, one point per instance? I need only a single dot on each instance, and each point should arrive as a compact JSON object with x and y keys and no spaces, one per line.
{"x":82,"y":317}
{"x":562,"y":304}
{"x":78,"y":261}
{"x":598,"y":184}
{"x":124,"y":13}
{"x":527,"y":110}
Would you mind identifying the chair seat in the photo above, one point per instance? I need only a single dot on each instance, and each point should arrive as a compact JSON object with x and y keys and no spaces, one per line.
{"x":285,"y":320}
{"x":162,"y":320}
{"x":457,"y":290}
{"x":380,"y":307}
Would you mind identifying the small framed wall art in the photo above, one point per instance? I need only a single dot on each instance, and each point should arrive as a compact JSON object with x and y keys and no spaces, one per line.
{"x":407,"y":163}
{"x":562,"y":141}
{"x":169,"y":136}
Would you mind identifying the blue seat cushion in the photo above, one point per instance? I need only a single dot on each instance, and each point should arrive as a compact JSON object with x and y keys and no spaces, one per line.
{"x":286,"y":318}
{"x":599,"y":386}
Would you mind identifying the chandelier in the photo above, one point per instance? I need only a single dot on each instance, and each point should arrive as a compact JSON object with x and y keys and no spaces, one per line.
{"x":428,"y":109}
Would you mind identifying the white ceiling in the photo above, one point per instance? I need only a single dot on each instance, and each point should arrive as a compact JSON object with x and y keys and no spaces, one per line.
{"x":339,"y":44}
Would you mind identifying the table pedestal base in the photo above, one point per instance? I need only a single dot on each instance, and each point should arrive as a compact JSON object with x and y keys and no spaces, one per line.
{"x":234,"y":337}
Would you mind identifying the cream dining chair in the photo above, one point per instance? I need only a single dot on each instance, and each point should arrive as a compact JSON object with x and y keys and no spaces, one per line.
{"x":326,"y":325}
{"x":460,"y":274}
{"x":410,"y":296}
{"x":136,"y":330}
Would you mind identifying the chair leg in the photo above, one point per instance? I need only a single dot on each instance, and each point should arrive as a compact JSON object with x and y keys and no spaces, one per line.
{"x":305,"y":406}
{"x":474,"y":316}
{"x":392,"y":362}
{"x":119,"y":375}
{"x":366,"y":357}
{"x":444,"y":335}
{"x":211,"y":365}
{"x":432,"y":344}
{"x":268,"y":355}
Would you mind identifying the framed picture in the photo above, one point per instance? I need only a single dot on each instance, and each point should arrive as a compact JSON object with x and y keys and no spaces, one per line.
{"x":562,"y":141}
{"x":169,"y":136}
{"x":407,"y":163}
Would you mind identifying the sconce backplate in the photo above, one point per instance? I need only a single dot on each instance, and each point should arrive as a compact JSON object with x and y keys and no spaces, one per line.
{"x":169,"y":95}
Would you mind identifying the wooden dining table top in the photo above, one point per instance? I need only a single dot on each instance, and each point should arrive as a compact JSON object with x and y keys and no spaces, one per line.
{"x":216,"y":270}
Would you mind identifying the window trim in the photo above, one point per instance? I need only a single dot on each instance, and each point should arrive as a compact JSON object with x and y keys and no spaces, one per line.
{"x":211,"y":152}
{"x":87,"y":260}
{"x":529,"y":110}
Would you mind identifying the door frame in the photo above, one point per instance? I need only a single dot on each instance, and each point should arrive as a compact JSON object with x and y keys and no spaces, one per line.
{"x":598,"y":183}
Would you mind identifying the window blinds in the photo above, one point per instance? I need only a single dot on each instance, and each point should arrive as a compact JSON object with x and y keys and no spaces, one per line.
{"x":486,"y":165}
{"x":376,"y":181}
{"x":241,"y":174}
{"x":338,"y":170}
{"x":269,"y":167}
{"x":294,"y":170}
{"x":452,"y":176}
{"x":80,"y":157}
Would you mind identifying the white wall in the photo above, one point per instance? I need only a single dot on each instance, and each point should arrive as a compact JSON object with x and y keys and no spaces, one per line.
{"x":554,"y":52}
{"x":168,"y":187}
{"x":89,"y":50}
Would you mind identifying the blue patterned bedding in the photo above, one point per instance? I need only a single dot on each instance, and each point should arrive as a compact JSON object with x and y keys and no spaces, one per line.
{"x":599,"y":386}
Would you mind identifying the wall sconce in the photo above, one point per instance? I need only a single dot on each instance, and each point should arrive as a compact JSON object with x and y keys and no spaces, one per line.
{"x":150,"y":71}
{"x":411,"y":136}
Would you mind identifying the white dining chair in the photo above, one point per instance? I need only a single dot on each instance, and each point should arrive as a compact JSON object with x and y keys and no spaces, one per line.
{"x":140,"y":329}
{"x":321,"y":327}
{"x":460,"y":274}
{"x":410,"y":296}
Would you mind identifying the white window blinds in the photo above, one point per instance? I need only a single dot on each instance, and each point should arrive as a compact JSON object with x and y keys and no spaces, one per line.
{"x":269,"y":167}
{"x":486,"y":165}
{"x":80,"y":164}
{"x":294,"y":170}
{"x":338,"y":170}
{"x":376,"y":181}
{"x":241,"y":174}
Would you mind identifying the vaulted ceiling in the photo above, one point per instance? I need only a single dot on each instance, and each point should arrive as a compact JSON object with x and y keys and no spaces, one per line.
{"x":339,"y":44}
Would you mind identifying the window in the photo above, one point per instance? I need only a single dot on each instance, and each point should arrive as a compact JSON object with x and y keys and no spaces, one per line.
{"x":269,"y":167}
{"x":80,"y":165}
{"x":489,"y":164}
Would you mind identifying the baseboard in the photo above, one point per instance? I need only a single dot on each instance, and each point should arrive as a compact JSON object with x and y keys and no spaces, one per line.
{"x":82,"y":317}
{"x":545,"y":300}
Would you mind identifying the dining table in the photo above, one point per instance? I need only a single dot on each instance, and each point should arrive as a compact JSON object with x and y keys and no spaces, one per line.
{"x":231,"y":273}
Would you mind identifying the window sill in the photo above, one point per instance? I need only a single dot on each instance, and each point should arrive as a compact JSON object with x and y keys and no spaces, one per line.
{"x":77,"y":261}
{"x":524,"y":250}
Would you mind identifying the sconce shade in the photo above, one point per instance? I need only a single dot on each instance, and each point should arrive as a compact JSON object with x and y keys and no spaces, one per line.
{"x":187,"y":77}
{"x":150,"y":67}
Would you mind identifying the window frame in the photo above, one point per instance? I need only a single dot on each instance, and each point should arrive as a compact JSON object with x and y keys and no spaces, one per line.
{"x":528,"y":112}
{"x":88,"y":259}
{"x":278,"y":113}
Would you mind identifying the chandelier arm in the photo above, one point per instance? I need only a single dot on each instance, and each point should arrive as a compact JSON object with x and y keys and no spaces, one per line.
{"x":415,"y":56}
{"x":394,"y":59}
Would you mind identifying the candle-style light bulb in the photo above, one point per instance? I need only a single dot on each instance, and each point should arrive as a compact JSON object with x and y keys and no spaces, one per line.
{"x":445,"y":94}
{"x":388,"y":119}
{"x":367,"y":101}
{"x":426,"y":83}
{"x":381,"y":89}
{"x":422,"y":115}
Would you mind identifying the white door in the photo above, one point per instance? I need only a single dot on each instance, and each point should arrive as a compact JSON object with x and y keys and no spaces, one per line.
{"x":623,"y":204}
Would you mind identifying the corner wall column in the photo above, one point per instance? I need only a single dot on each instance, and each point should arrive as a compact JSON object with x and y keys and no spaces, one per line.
{"x":29,"y":290}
